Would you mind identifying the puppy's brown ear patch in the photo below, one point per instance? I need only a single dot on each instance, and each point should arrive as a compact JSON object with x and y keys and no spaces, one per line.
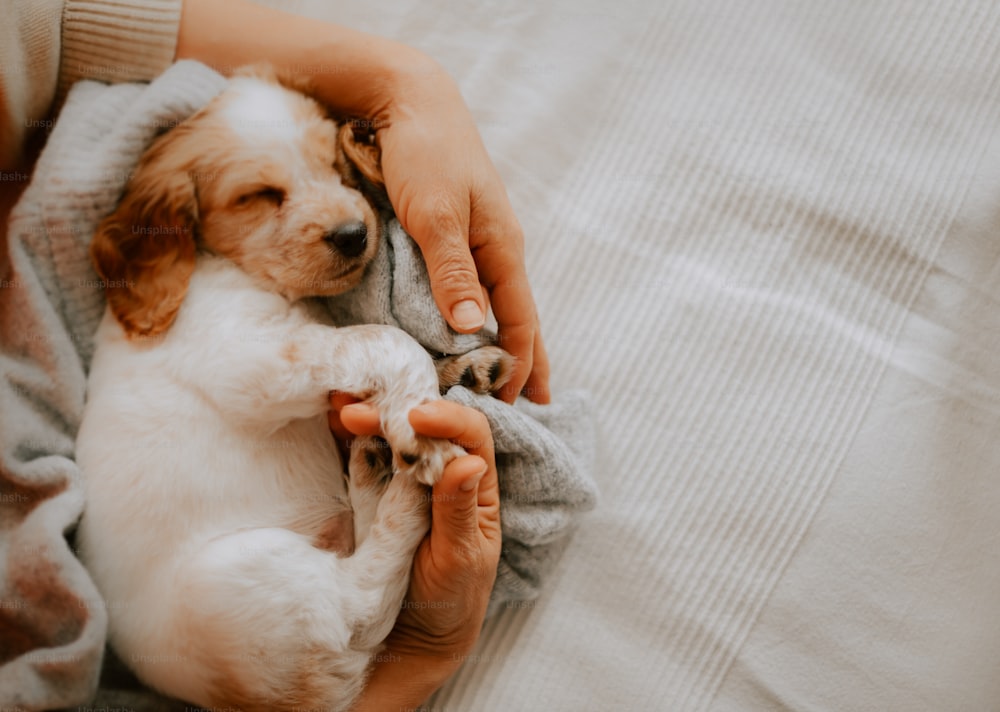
{"x":362,"y":152}
{"x":145,"y":251}
{"x":302,"y":83}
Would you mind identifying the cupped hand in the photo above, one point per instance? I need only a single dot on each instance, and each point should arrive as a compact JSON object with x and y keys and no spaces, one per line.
{"x":455,"y":566}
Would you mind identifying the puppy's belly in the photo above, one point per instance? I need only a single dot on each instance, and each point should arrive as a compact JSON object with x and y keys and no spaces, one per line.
{"x":159,"y":488}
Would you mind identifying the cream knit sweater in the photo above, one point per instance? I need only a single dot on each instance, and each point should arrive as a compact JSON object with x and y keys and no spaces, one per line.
{"x":46,"y":45}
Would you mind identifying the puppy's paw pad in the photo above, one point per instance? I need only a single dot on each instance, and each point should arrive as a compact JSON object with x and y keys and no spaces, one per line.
{"x":484,"y":370}
{"x":370,"y":462}
{"x":427,"y":465}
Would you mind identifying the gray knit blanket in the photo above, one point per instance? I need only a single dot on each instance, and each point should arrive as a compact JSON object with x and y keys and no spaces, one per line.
{"x":52,"y":620}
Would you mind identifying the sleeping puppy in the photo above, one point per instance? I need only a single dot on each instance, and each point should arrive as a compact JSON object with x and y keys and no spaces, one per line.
{"x":245,"y":567}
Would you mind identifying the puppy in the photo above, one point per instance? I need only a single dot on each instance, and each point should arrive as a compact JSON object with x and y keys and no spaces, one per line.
{"x":242,"y":567}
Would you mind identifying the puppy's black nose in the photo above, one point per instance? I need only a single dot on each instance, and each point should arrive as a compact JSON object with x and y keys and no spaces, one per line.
{"x":349,"y":239}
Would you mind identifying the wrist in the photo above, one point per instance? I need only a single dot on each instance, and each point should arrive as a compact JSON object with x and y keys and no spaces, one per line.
{"x":404,"y":680}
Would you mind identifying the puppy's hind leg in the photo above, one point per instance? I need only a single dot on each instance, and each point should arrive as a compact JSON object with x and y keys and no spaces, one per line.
{"x":279,"y":624}
{"x":261,"y":613}
{"x":392,"y":514}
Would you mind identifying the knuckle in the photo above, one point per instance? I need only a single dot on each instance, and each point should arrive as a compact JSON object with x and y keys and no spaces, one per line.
{"x":437,"y":212}
{"x":478,"y":434}
{"x":452,"y":272}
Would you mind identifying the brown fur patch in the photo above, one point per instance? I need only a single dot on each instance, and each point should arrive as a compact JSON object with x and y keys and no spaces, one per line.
{"x":483,"y":370}
{"x":363,"y":153}
{"x":337,"y":534}
{"x":306,"y":690}
{"x":291,"y":352}
{"x":145,"y":250}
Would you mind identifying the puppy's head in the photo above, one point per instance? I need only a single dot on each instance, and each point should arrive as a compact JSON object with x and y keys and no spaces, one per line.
{"x":260,"y":176}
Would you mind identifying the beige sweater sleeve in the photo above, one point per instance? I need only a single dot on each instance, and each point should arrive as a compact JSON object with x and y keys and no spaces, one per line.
{"x":117,"y":40}
{"x":29,"y":69}
{"x":46,"y":45}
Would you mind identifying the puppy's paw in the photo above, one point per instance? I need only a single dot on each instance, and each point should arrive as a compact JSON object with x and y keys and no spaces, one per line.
{"x":370,"y":465}
{"x":425,"y":462}
{"x":417,"y":456}
{"x":484,"y":370}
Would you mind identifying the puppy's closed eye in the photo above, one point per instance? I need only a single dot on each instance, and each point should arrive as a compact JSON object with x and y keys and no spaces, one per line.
{"x":265,"y":194}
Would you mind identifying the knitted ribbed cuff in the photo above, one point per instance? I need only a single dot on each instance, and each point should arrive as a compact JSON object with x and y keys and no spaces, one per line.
{"x":117,"y":40}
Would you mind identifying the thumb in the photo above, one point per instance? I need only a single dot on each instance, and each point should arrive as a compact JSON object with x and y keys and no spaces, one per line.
{"x":455,"y":508}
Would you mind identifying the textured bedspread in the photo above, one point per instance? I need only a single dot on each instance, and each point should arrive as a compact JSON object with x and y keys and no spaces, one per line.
{"x":766,"y":237}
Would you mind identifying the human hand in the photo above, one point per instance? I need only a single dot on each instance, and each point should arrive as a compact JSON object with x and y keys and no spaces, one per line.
{"x":455,"y":566}
{"x":448,"y":195}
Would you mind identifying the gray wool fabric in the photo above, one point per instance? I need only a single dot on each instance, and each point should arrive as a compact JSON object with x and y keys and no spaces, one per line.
{"x":544,"y":453}
{"x":52,"y":620}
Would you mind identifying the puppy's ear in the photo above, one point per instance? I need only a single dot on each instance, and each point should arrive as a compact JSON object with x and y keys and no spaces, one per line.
{"x":145,"y":250}
{"x":361,"y":151}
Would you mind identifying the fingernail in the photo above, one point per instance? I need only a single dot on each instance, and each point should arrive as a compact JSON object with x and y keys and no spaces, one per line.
{"x":471,"y":483}
{"x":359,"y":408}
{"x":467,"y":315}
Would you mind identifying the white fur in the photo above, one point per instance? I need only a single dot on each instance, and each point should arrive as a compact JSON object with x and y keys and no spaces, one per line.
{"x":260,"y":113}
{"x":209,"y":470}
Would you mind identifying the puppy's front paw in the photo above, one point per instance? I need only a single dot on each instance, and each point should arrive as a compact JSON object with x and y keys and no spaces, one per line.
{"x":370,"y":464}
{"x":415,"y":455}
{"x":426,"y":461}
{"x":483,"y":370}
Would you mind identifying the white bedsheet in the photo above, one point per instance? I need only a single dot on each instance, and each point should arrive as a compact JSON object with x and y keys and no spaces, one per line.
{"x":766,"y":236}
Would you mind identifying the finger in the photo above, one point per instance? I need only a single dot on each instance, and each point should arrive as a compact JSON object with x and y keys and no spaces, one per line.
{"x":441,"y":228}
{"x":455,"y":508}
{"x":451,"y":421}
{"x":342,"y":434}
{"x":517,"y":332}
{"x":499,"y":252}
{"x":361,"y":419}
{"x":537,"y":386}
{"x":470,"y":429}
{"x":338,"y":401}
